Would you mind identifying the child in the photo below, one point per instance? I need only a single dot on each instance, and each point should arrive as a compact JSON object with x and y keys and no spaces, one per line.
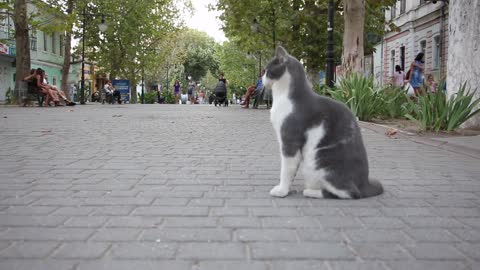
{"x":431,"y":84}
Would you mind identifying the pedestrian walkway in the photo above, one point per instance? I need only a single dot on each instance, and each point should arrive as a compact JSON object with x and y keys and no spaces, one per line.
{"x":186,"y":187}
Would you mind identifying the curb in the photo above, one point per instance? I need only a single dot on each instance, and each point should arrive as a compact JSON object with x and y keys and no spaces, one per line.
{"x":451,"y":147}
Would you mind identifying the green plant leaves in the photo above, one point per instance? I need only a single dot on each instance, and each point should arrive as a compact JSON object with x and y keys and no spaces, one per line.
{"x":435,"y":112}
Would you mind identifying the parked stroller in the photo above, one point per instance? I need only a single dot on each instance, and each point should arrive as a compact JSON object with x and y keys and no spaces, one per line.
{"x":221,"y":94}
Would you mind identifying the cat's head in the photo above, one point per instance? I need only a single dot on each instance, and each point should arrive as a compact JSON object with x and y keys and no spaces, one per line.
{"x":281,"y":67}
{"x":276,"y":67}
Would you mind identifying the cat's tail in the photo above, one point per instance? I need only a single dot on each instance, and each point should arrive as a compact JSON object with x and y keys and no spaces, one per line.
{"x":373,"y":188}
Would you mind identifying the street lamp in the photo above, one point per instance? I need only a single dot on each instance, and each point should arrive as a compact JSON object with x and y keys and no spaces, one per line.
{"x":102,"y":27}
{"x":330,"y":50}
{"x":259,"y":61}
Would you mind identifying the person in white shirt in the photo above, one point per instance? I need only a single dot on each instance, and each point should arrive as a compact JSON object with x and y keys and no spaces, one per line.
{"x":398,"y":77}
{"x":108,"y":91}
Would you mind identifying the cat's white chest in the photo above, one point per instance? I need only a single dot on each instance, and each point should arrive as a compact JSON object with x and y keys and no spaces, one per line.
{"x":282,"y":107}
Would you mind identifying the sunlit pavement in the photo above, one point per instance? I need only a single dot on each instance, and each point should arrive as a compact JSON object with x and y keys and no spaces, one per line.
{"x":186,"y":187}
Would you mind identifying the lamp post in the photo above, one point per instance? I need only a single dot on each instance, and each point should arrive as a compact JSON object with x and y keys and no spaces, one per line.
{"x":102,"y":27}
{"x":255,"y":27}
{"x":330,"y":50}
{"x":250,"y":55}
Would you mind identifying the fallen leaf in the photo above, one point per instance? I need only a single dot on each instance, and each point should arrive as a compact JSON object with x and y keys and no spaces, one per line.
{"x":390,"y":132}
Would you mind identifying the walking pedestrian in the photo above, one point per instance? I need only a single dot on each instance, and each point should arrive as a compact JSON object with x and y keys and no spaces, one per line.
{"x":176,"y":91}
{"x":416,"y":73}
{"x":191,"y":90}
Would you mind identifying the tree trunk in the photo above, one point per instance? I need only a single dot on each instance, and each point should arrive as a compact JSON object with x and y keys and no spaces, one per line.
{"x":352,"y":56}
{"x":464,"y":50}
{"x":22,"y":46}
{"x":67,"y":53}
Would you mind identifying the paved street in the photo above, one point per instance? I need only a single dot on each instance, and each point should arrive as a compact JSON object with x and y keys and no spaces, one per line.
{"x":186,"y":187}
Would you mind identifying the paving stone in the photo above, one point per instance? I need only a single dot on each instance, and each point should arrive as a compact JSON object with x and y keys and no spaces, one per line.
{"x":81,"y":250}
{"x":472,"y":250}
{"x":240,"y":222}
{"x":134,"y":264}
{"x":422,"y":265}
{"x":339,"y":222}
{"x":274,"y":212}
{"x":288,"y":250}
{"x":290,"y":222}
{"x":433,"y":222}
{"x":383,"y":251}
{"x":211,"y":251}
{"x":24,"y":264}
{"x":171,"y":211}
{"x":320,"y":235}
{"x":349,"y":265}
{"x":116,"y":234}
{"x":468,"y":235}
{"x":432,"y":235}
{"x":28,"y":250}
{"x":118,"y":201}
{"x":73,"y":211}
{"x":229,"y":211}
{"x":46,"y":234}
{"x":435,"y":251}
{"x":88,"y":222}
{"x":300,"y":265}
{"x":30,"y":221}
{"x":231,"y":265}
{"x":29,"y":210}
{"x":246,"y":235}
{"x":113,"y":210}
{"x":186,"y":235}
{"x":382,"y":222}
{"x":377,"y":235}
{"x":134,"y":222}
{"x":206,"y":202}
{"x":196,"y":222}
{"x":144,"y":250}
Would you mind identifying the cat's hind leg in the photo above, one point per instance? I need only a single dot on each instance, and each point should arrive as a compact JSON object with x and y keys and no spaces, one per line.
{"x":287,"y":173}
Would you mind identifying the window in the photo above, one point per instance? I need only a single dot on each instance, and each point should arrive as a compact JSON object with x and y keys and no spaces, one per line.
{"x":402,"y":57}
{"x":403,"y":5}
{"x":45,"y":42}
{"x":436,"y":52}
{"x":393,"y":10}
{"x":54,"y":80}
{"x":60,"y":49}
{"x":392,"y":62}
{"x":33,"y":40}
{"x":53,"y":43}
{"x":423,"y":47}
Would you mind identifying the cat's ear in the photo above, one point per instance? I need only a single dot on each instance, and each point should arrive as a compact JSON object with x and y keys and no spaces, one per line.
{"x":281,"y":54}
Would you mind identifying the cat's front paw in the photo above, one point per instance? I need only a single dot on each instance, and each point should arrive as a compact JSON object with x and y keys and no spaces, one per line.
{"x":279,"y":191}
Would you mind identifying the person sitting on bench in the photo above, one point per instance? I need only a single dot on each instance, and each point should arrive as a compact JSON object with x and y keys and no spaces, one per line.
{"x":55,"y":89}
{"x":36,"y":79}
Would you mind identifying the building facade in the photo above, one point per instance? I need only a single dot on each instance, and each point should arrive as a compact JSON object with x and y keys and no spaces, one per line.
{"x":422,"y":27}
{"x":46,"y":52}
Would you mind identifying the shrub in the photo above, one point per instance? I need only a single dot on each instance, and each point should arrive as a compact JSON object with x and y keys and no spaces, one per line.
{"x":394,"y":99}
{"x":150,"y":97}
{"x":435,"y":112}
{"x":359,"y":94}
{"x":169,"y":97}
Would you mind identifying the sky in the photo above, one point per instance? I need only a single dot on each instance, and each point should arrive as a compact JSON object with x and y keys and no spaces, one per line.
{"x":205,"y":20}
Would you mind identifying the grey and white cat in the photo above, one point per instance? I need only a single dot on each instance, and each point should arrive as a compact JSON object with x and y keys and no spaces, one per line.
{"x":318,"y":131}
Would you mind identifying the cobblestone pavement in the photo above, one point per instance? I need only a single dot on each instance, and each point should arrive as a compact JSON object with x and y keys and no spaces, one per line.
{"x":186,"y":187}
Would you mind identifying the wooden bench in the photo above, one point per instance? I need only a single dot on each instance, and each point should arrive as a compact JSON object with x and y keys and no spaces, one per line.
{"x":33,"y":92}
